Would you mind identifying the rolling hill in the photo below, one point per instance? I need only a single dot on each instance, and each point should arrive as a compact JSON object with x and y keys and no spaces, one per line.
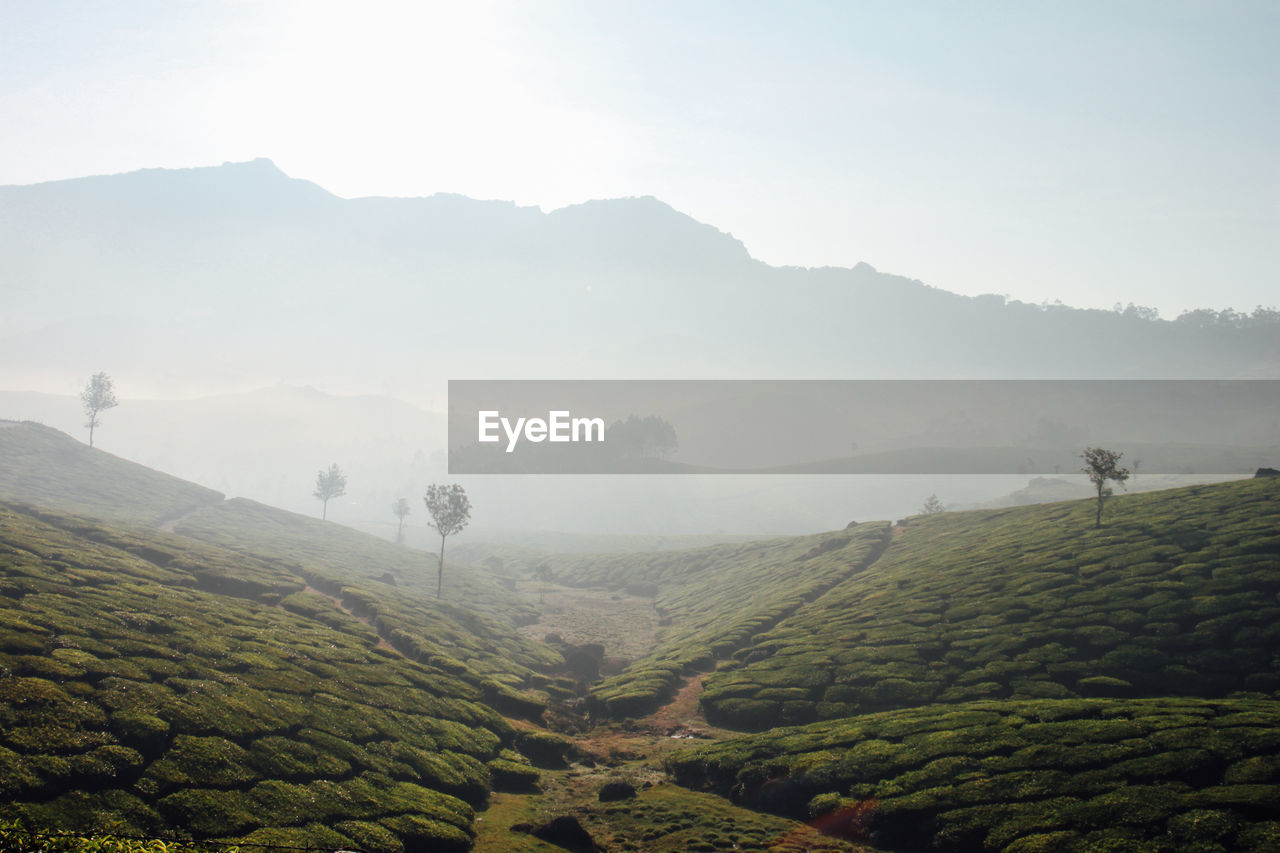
{"x":1175,"y":595}
{"x":255,"y":674}
{"x":1006,"y":679}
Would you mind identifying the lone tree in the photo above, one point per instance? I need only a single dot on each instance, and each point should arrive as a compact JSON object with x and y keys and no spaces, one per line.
{"x":98,"y":396}
{"x":543,"y":573}
{"x":932,"y":505}
{"x":401,"y":509}
{"x":329,"y":484}
{"x":450,"y":511}
{"x":1102,"y":465}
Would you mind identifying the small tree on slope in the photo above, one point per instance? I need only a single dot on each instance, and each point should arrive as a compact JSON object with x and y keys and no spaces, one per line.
{"x":98,"y":396}
{"x":450,"y":511}
{"x":329,"y":484}
{"x":401,"y":510}
{"x":1102,"y":465}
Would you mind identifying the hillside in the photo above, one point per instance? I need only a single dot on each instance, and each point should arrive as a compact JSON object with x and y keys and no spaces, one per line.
{"x":994,"y":680}
{"x":45,"y":467}
{"x":134,"y":700}
{"x":1175,"y":595}
{"x":1020,"y":775}
{"x":715,"y":599}
{"x":210,"y":677}
{"x":990,"y":679}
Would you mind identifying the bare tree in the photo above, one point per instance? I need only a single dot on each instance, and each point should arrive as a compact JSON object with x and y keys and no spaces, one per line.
{"x":329,"y":484}
{"x":401,"y":510}
{"x":1102,"y":465}
{"x":543,"y":573}
{"x":98,"y":396}
{"x":450,"y":511}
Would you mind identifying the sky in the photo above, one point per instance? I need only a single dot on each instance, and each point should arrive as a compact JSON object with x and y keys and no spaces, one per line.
{"x":1088,"y":152}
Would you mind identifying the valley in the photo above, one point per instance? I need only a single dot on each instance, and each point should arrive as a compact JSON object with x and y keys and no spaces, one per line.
{"x":174,"y":664}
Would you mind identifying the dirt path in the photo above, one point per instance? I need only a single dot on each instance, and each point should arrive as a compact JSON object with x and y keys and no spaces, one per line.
{"x":663,"y":817}
{"x":170,"y":525}
{"x":337,"y":602}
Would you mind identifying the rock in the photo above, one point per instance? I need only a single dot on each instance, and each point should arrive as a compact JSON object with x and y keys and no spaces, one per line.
{"x":388,"y":578}
{"x":1266,"y":472}
{"x":566,"y":832}
{"x":616,"y":790}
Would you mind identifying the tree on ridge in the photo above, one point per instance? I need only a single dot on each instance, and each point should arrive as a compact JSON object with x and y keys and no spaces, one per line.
{"x":98,"y":396}
{"x":329,"y":484}
{"x":450,"y":510}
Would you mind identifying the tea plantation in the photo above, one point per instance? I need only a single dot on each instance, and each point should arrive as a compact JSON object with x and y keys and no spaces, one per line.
{"x":716,"y":599}
{"x":45,"y":467}
{"x":1178,"y":594}
{"x":994,"y":680}
{"x":1020,"y":775}
{"x":394,"y":588}
{"x":134,"y":702}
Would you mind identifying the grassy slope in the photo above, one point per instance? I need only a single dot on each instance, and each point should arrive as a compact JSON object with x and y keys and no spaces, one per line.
{"x":715,"y":599}
{"x":135,"y":701}
{"x":1039,"y":636}
{"x":1175,"y":595}
{"x":227,"y":633}
{"x":1020,"y":775}
{"x":473,"y":625}
{"x":45,"y":467}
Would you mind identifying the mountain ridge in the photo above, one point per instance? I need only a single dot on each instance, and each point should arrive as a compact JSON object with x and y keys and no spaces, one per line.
{"x":244,"y":276}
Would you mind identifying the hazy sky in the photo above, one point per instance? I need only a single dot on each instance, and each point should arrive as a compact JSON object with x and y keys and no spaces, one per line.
{"x":1091,"y":152}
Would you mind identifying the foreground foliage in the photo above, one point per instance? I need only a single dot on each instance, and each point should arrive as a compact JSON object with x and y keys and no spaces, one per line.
{"x":1037,"y":775}
{"x":134,"y":701}
{"x":17,"y":838}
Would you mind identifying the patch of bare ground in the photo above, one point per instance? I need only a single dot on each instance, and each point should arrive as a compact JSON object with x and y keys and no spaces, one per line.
{"x":663,"y":817}
{"x":673,"y":726}
{"x":626,"y":625}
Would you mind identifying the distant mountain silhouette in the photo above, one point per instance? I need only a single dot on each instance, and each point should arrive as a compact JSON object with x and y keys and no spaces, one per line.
{"x":239,"y":275}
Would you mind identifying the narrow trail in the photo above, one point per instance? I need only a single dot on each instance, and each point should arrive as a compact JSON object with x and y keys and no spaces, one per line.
{"x":171,"y":525}
{"x":337,"y":602}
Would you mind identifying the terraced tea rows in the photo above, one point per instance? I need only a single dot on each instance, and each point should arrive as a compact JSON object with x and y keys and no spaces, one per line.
{"x":394,"y":589}
{"x":1179,"y":594}
{"x":715,"y":599}
{"x":1036,"y":775}
{"x":133,"y":701}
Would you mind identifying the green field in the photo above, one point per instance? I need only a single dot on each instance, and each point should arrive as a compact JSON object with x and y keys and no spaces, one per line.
{"x":174,"y":664}
{"x":1175,"y":595}
{"x":1020,"y":775}
{"x":134,"y":701}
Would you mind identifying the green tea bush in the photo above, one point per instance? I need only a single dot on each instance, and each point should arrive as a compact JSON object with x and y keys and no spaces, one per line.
{"x":1018,"y":774}
{"x":1031,"y":603}
{"x":247,"y":720}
